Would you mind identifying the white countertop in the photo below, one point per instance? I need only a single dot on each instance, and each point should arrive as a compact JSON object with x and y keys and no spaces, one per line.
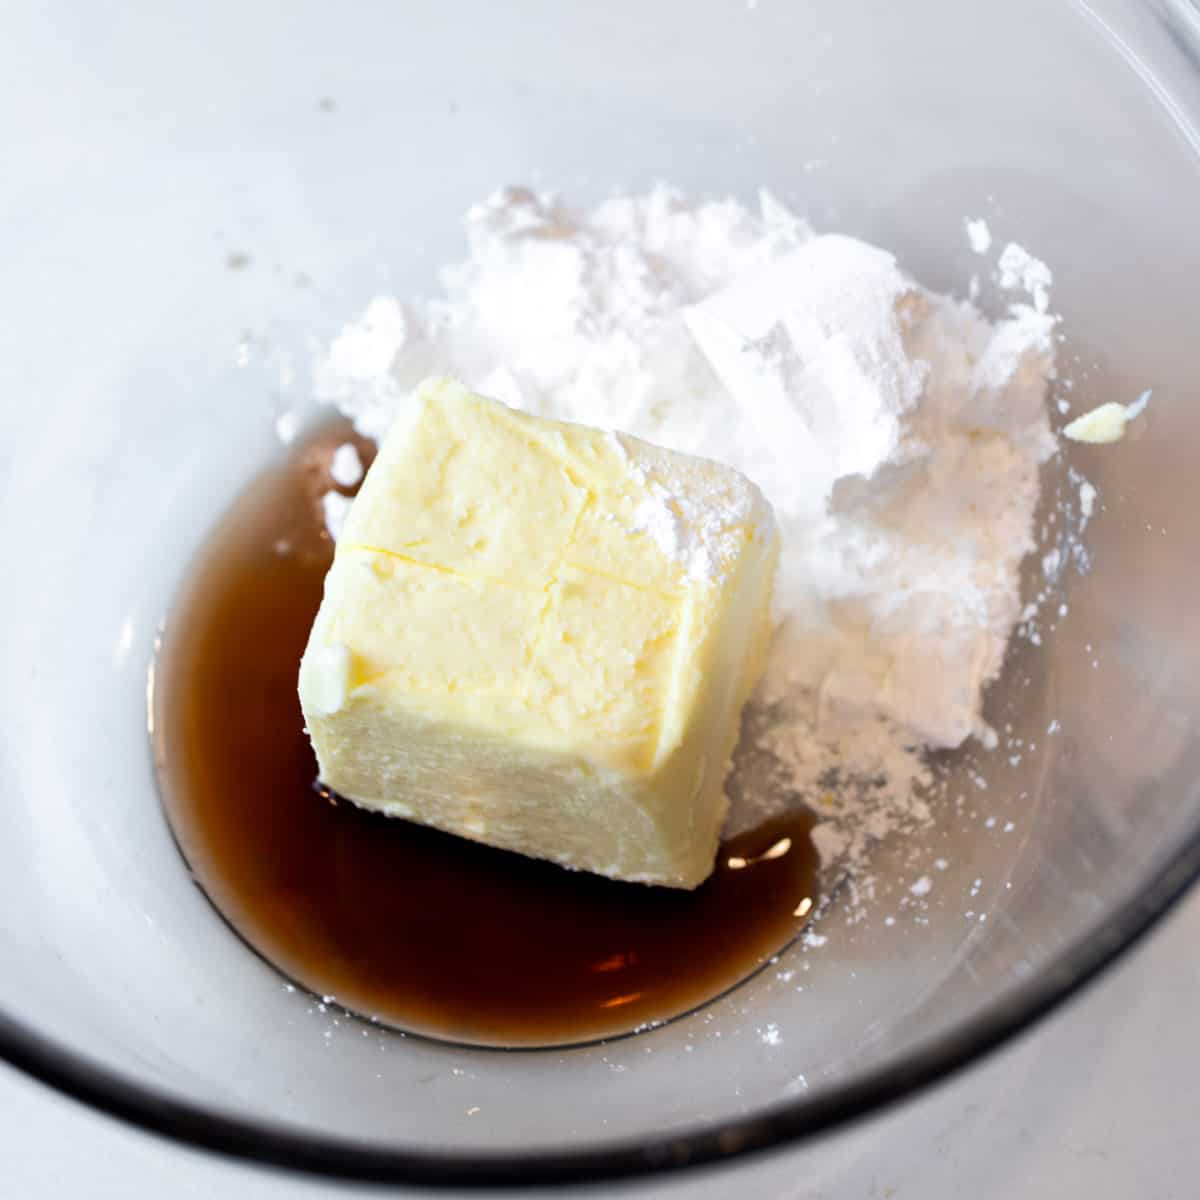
{"x":1099,"y":1102}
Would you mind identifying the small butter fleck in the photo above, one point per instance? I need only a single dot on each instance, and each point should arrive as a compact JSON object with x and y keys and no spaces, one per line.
{"x":328,"y":678}
{"x":1106,"y":424}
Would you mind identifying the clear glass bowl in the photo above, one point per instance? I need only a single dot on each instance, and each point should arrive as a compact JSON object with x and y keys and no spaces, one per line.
{"x":148,"y":150}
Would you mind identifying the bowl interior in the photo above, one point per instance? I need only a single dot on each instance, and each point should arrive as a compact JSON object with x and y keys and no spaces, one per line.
{"x":186,"y":181}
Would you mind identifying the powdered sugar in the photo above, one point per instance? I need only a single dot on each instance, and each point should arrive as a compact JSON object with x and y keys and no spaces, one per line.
{"x":656,"y":517}
{"x":897,"y":433}
{"x":979,"y":235}
{"x":696,"y":516}
{"x":826,"y":319}
{"x":335,"y":506}
{"x":345,"y":468}
{"x":1019,"y":270}
{"x":1087,"y":500}
{"x":287,"y":425}
{"x":573,"y":316}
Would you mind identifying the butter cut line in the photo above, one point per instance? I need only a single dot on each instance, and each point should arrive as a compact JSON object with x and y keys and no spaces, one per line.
{"x":511,"y":419}
{"x":655,"y":748}
{"x":664,"y":743}
{"x":534,"y":642}
{"x":675,"y":597}
{"x":362,"y":548}
{"x":383,"y":552}
{"x":450,"y":689}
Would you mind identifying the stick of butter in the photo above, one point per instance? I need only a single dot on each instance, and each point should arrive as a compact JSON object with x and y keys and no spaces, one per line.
{"x":541,"y":636}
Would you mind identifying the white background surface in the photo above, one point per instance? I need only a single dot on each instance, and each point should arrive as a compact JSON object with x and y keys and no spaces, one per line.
{"x":1100,"y":1101}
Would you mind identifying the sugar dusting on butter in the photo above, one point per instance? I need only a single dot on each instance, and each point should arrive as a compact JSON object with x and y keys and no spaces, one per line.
{"x":698,"y":528}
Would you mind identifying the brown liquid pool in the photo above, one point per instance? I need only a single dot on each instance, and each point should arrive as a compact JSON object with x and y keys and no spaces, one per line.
{"x":418,"y":929}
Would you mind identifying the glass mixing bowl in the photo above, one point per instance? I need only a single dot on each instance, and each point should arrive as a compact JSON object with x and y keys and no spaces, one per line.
{"x":181,"y":180}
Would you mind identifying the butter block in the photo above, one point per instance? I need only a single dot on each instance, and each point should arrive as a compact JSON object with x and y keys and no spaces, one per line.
{"x":541,"y":636}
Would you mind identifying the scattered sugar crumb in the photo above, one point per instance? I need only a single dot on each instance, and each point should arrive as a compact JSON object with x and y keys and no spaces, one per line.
{"x":979,"y":235}
{"x":1018,"y":270}
{"x":1087,"y":499}
{"x":287,"y":425}
{"x":335,"y":507}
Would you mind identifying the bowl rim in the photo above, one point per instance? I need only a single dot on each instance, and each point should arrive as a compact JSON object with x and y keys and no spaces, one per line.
{"x":785,"y":1124}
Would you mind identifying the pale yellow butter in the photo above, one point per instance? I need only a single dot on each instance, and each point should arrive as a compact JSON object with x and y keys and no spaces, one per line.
{"x":1106,"y":424}
{"x":541,"y":636}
